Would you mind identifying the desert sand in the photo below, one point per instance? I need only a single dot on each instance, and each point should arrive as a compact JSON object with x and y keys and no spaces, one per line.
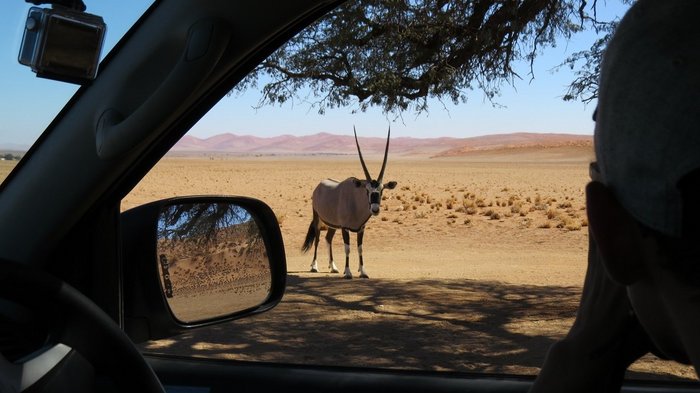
{"x":475,"y":262}
{"x":207,"y":277}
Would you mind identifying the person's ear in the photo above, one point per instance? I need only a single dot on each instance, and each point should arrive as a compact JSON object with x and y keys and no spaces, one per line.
{"x":616,"y":233}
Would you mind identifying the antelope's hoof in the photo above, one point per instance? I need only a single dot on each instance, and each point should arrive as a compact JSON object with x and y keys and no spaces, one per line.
{"x":314,"y":270}
{"x":348,"y":276}
{"x":364,"y":275}
{"x":334,"y":271}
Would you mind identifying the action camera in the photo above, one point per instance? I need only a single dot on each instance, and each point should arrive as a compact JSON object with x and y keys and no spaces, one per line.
{"x":63,"y":44}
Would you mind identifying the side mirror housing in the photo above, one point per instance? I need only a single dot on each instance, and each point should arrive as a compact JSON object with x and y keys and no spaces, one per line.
{"x":197,"y":261}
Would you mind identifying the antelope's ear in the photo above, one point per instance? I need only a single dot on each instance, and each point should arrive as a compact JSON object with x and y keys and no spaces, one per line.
{"x":391,"y":185}
{"x":358,"y":182}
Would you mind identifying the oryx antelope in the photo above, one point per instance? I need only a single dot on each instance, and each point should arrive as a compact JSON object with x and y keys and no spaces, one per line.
{"x":346,"y":205}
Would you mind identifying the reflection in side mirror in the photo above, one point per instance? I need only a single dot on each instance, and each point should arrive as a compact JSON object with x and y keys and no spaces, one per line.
{"x":212,"y":260}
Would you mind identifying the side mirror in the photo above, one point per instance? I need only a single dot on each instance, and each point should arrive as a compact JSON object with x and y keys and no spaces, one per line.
{"x":196,"y":261}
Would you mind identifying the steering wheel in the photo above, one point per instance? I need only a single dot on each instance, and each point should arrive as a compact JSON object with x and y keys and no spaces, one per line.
{"x":75,"y":324}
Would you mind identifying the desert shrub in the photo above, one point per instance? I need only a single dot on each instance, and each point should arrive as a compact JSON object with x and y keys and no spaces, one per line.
{"x":545,"y":225}
{"x":420,"y":215}
{"x":572,"y":225}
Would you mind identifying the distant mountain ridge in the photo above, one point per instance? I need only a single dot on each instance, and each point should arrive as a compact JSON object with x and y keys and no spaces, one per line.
{"x":326,"y":143}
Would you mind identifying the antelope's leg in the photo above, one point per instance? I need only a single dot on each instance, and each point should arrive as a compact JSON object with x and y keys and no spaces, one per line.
{"x":329,"y":242}
{"x":314,"y":265}
{"x":346,"y":242}
{"x":360,"y":235}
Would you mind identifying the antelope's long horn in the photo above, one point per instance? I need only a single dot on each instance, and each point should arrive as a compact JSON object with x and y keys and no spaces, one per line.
{"x":386,"y":155}
{"x":364,"y":167}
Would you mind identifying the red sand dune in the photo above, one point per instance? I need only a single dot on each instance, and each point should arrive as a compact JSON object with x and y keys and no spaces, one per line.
{"x":325,"y":143}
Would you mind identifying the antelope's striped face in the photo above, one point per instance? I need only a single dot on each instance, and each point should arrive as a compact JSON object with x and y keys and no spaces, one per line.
{"x":374,"y":193}
{"x":374,"y":187}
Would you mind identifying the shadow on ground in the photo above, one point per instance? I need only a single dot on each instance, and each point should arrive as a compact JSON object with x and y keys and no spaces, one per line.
{"x":456,"y":325}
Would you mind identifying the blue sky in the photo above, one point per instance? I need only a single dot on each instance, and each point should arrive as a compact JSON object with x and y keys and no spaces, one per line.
{"x":28,"y":104}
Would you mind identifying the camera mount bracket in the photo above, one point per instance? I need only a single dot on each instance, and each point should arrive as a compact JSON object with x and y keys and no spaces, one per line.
{"x":77,"y":5}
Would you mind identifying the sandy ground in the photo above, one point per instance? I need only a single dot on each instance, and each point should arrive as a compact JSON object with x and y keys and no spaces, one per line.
{"x":476,"y":263}
{"x":206,"y":278}
{"x":5,"y":168}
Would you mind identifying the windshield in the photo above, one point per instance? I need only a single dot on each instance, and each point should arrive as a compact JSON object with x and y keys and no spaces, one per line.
{"x":28,"y":104}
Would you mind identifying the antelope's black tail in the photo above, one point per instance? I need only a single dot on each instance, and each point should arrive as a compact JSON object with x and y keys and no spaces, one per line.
{"x":311,"y":234}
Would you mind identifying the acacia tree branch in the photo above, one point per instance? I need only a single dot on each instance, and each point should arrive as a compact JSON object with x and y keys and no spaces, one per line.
{"x":397,"y":53}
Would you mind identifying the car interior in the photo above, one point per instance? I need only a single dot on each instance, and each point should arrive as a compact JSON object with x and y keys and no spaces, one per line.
{"x":83,"y":283}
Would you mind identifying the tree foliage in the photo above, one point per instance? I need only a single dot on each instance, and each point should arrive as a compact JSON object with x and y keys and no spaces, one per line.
{"x":201,"y":222}
{"x":398,"y":54}
{"x":586,"y":66}
{"x":10,"y":157}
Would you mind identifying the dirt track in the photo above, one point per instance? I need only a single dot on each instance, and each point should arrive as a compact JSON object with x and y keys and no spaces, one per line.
{"x":475,"y":264}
